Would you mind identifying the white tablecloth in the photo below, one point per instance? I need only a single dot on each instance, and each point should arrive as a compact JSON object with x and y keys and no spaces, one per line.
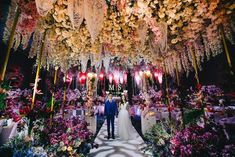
{"x":8,"y":132}
{"x":229,"y":120}
{"x":163,"y":113}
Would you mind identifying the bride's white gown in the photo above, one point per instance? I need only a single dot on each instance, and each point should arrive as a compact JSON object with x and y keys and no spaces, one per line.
{"x":125,"y":129}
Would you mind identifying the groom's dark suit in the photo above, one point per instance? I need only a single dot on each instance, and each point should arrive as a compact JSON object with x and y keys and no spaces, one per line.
{"x":110,"y":110}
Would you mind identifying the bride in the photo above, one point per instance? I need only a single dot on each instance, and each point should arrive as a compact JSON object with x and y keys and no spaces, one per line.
{"x":125,"y":129}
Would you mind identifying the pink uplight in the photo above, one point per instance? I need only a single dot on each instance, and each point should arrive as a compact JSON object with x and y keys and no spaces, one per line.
{"x":68,"y":78}
{"x":158,"y":75}
{"x":125,"y":77}
{"x":160,"y":78}
{"x":121,"y":80}
{"x":110,"y":78}
{"x":101,"y":76}
{"x":82,"y":78}
{"x":116,"y":77}
{"x":137,"y":78}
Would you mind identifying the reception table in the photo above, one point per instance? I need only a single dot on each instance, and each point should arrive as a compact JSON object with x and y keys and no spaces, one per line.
{"x":228,"y":124}
{"x":149,"y":116}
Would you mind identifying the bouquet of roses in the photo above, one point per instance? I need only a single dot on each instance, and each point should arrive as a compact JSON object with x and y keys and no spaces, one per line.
{"x":73,"y":95}
{"x":18,"y":103}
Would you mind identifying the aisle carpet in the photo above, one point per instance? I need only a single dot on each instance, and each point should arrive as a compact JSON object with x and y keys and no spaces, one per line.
{"x":117,"y":147}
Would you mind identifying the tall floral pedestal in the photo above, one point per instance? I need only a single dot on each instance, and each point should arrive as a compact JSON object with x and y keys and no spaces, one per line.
{"x":92,"y":121}
{"x":147,"y":121}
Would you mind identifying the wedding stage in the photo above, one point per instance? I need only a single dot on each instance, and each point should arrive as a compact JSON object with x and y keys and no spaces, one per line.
{"x":117,"y":147}
{"x":165,"y":67}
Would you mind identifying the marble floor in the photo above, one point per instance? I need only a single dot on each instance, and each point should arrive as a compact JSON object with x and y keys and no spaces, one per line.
{"x":117,"y":147}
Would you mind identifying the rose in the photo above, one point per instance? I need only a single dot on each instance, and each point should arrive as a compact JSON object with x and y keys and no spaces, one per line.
{"x":16,"y":117}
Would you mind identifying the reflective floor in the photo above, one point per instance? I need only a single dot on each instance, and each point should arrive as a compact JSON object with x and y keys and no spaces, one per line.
{"x":117,"y":147}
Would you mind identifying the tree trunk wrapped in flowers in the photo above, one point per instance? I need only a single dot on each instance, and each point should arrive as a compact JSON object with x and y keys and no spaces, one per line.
{"x":91,"y":91}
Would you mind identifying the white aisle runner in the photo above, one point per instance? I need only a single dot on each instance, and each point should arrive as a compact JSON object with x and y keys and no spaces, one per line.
{"x":117,"y":147}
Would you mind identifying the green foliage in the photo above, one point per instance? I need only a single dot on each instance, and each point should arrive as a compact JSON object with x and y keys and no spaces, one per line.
{"x":56,"y":103}
{"x":2,"y":101}
{"x":93,"y":82}
{"x":16,"y":144}
{"x":158,"y":139}
{"x":22,"y":146}
{"x":6,"y":86}
{"x":192,"y":116}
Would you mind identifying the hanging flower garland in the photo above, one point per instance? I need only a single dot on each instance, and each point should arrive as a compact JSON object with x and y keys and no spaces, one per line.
{"x":26,"y":24}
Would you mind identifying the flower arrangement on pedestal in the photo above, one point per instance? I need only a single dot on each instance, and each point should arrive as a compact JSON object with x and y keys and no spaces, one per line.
{"x":73,"y":95}
{"x":158,"y":139}
{"x":205,"y":95}
{"x":65,"y":137}
{"x":212,"y":94}
{"x":91,"y":88}
{"x":196,"y":140}
{"x":22,"y":146}
{"x":18,"y":104}
{"x":166,"y":139}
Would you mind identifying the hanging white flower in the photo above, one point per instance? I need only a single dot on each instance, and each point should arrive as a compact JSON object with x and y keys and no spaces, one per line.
{"x":142,"y":31}
{"x":84,"y":59}
{"x":94,"y":11}
{"x":76,"y":12}
{"x":44,"y":6}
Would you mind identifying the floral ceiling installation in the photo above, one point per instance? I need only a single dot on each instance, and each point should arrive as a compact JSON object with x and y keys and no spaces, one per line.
{"x":160,"y":32}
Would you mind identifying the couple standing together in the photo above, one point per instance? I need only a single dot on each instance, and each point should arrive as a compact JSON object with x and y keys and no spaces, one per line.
{"x":125,"y":128}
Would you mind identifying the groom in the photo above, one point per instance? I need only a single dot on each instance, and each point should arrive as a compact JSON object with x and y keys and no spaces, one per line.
{"x":110,"y":110}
